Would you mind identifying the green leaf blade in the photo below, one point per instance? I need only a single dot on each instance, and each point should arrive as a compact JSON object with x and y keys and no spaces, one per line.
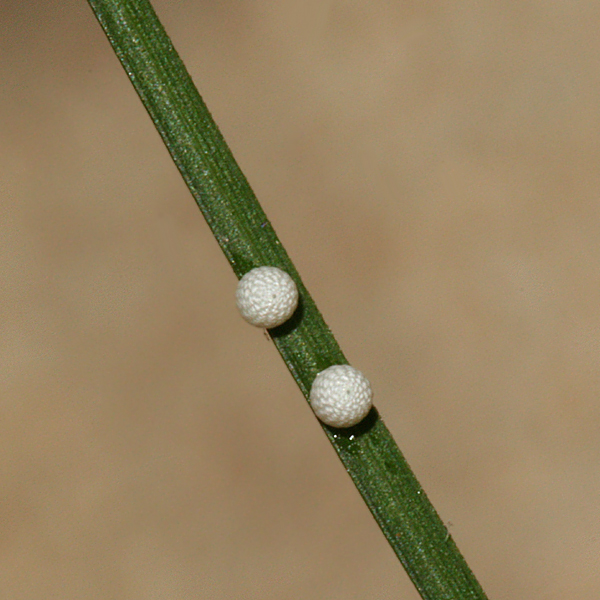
{"x":368,"y":450}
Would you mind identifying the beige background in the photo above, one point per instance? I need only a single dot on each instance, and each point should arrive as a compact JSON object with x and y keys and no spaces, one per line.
{"x":432,"y":168}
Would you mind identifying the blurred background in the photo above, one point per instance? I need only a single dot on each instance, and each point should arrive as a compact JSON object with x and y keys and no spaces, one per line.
{"x":432,"y":169}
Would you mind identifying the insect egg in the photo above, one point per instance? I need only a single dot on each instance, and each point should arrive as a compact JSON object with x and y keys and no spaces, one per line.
{"x":341,"y":396}
{"x":266,"y":297}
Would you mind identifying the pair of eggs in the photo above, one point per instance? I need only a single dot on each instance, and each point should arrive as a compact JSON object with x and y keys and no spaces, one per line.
{"x":340,"y":395}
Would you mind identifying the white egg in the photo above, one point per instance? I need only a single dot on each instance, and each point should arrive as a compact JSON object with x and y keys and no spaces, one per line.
{"x":341,"y":396}
{"x":266,"y":297}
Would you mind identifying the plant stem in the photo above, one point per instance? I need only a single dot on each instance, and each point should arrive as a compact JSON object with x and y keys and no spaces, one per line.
{"x":368,"y":451}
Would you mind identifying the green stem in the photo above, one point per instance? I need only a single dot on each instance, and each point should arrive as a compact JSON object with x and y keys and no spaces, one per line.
{"x":368,"y":451}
